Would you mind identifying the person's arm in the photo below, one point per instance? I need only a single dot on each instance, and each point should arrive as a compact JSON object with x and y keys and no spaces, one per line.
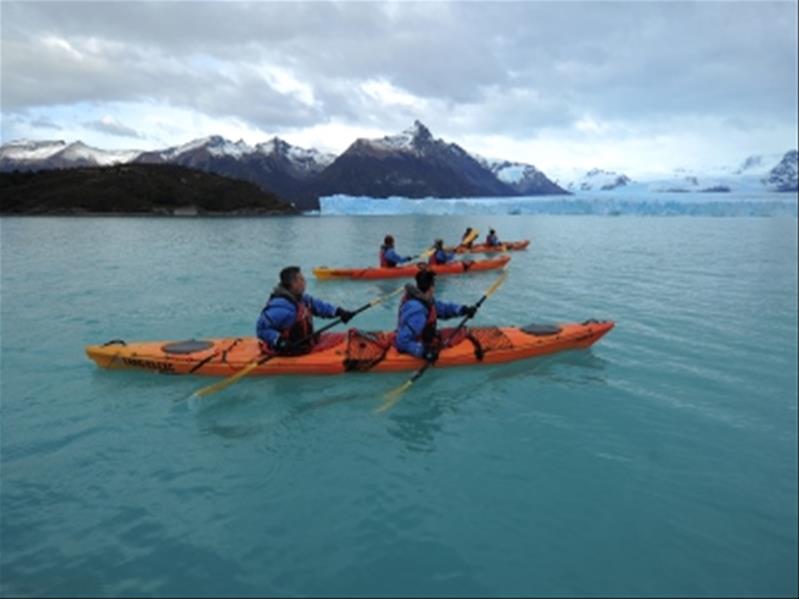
{"x":273,"y":321}
{"x":320,"y":308}
{"x":446,"y":310}
{"x":394,"y":257}
{"x":412,"y":322}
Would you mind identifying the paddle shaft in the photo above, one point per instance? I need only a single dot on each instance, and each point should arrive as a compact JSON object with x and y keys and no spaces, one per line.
{"x":461,"y":324}
{"x":255,"y":363}
{"x":327,"y":327}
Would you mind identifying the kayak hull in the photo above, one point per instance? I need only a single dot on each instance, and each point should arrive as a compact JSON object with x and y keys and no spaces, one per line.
{"x":458,"y":267}
{"x":339,"y":353}
{"x":482,"y":248}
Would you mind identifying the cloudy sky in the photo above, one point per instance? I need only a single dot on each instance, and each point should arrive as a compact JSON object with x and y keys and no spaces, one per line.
{"x":639,"y":87}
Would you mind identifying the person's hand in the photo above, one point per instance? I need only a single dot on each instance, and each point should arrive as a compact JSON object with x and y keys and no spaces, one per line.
{"x":430,"y":354}
{"x":281,"y":344}
{"x":344,"y":315}
{"x":469,"y":311}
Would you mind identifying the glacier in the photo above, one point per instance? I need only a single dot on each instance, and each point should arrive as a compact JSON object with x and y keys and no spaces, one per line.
{"x":641,"y":203}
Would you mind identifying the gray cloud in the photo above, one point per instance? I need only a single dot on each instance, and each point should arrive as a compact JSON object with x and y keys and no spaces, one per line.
{"x":501,"y":68}
{"x":44,"y":123}
{"x":112,"y":128}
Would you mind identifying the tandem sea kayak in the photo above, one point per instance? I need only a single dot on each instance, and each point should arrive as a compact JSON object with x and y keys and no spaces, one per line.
{"x":482,"y":248}
{"x":352,"y":351}
{"x":452,"y":268}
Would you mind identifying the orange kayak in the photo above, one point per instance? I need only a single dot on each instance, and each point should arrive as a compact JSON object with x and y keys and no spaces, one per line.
{"x":353,"y":351}
{"x":457,"y":267}
{"x":482,"y":248}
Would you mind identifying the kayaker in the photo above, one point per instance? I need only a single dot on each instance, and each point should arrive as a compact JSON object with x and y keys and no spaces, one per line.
{"x":419,"y":312}
{"x":389,"y":258}
{"x":465,"y":236}
{"x":288,"y":315}
{"x":492,"y":239}
{"x":440,"y":255}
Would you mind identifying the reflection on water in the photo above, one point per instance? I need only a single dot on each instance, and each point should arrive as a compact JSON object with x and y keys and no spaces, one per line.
{"x":415,"y":419}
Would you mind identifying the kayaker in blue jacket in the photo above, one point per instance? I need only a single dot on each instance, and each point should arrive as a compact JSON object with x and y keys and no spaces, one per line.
{"x":440,"y":255}
{"x":288,"y":315}
{"x":389,"y":258}
{"x":419,"y":312}
{"x":492,"y":238}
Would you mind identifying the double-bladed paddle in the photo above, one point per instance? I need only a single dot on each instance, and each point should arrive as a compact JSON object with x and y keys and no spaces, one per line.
{"x":234,"y":378}
{"x":394,"y":396}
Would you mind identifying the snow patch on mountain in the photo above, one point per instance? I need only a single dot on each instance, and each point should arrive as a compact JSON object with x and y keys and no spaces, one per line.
{"x":409,"y":140}
{"x":599,"y":180}
{"x":302,"y":158}
{"x":23,"y":149}
{"x":79,"y":153}
{"x":228,"y":148}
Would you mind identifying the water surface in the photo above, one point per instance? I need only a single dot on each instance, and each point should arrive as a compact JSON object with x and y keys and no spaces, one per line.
{"x":662,"y":461}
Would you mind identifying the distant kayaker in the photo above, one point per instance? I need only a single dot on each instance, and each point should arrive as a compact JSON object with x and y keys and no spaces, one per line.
{"x":419,"y":312}
{"x":440,"y":255}
{"x":389,"y":258}
{"x":288,"y":315}
{"x":465,"y":236}
{"x":492,"y":239}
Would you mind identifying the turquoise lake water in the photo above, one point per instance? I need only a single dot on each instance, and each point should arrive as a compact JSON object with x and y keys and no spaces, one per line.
{"x":661,"y":461}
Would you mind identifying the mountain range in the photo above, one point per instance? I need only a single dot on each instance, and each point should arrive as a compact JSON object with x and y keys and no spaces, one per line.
{"x":411,"y":164}
{"x":757,"y":173}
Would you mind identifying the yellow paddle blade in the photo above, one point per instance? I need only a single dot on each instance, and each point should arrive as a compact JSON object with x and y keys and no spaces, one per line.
{"x":225,"y":383}
{"x":425,"y":254}
{"x":470,"y":237}
{"x":393,"y":397}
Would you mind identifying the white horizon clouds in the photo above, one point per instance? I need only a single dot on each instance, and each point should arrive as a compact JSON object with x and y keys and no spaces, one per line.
{"x":633,"y":86}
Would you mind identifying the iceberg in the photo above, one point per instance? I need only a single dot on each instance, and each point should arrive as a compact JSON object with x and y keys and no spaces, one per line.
{"x":641,"y":203}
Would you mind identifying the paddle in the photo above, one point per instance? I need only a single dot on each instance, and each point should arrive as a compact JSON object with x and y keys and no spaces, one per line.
{"x":393,"y":396}
{"x":474,"y":234}
{"x":234,"y":378}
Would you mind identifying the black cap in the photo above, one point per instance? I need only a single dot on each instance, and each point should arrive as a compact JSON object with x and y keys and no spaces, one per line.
{"x":425,"y":279}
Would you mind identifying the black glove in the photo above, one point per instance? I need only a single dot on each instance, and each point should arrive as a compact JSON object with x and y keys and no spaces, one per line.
{"x":430,"y":354}
{"x":281,"y":345}
{"x":344,"y":315}
{"x":469,"y":311}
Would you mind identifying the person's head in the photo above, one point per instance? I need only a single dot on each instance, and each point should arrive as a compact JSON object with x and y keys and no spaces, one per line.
{"x":492,"y":232}
{"x":426,"y":283}
{"x":439,"y":244}
{"x":291,"y":278}
{"x":468,"y":230}
{"x":388,"y":241}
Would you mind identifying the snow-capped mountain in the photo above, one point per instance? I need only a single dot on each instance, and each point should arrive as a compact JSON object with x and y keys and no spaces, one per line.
{"x":304,"y":162}
{"x":756,"y":173}
{"x":599,"y":180}
{"x":27,"y":150}
{"x":783,"y":177}
{"x":41,"y":155}
{"x":524,"y":178}
{"x":411,"y":164}
{"x":274,"y":165}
